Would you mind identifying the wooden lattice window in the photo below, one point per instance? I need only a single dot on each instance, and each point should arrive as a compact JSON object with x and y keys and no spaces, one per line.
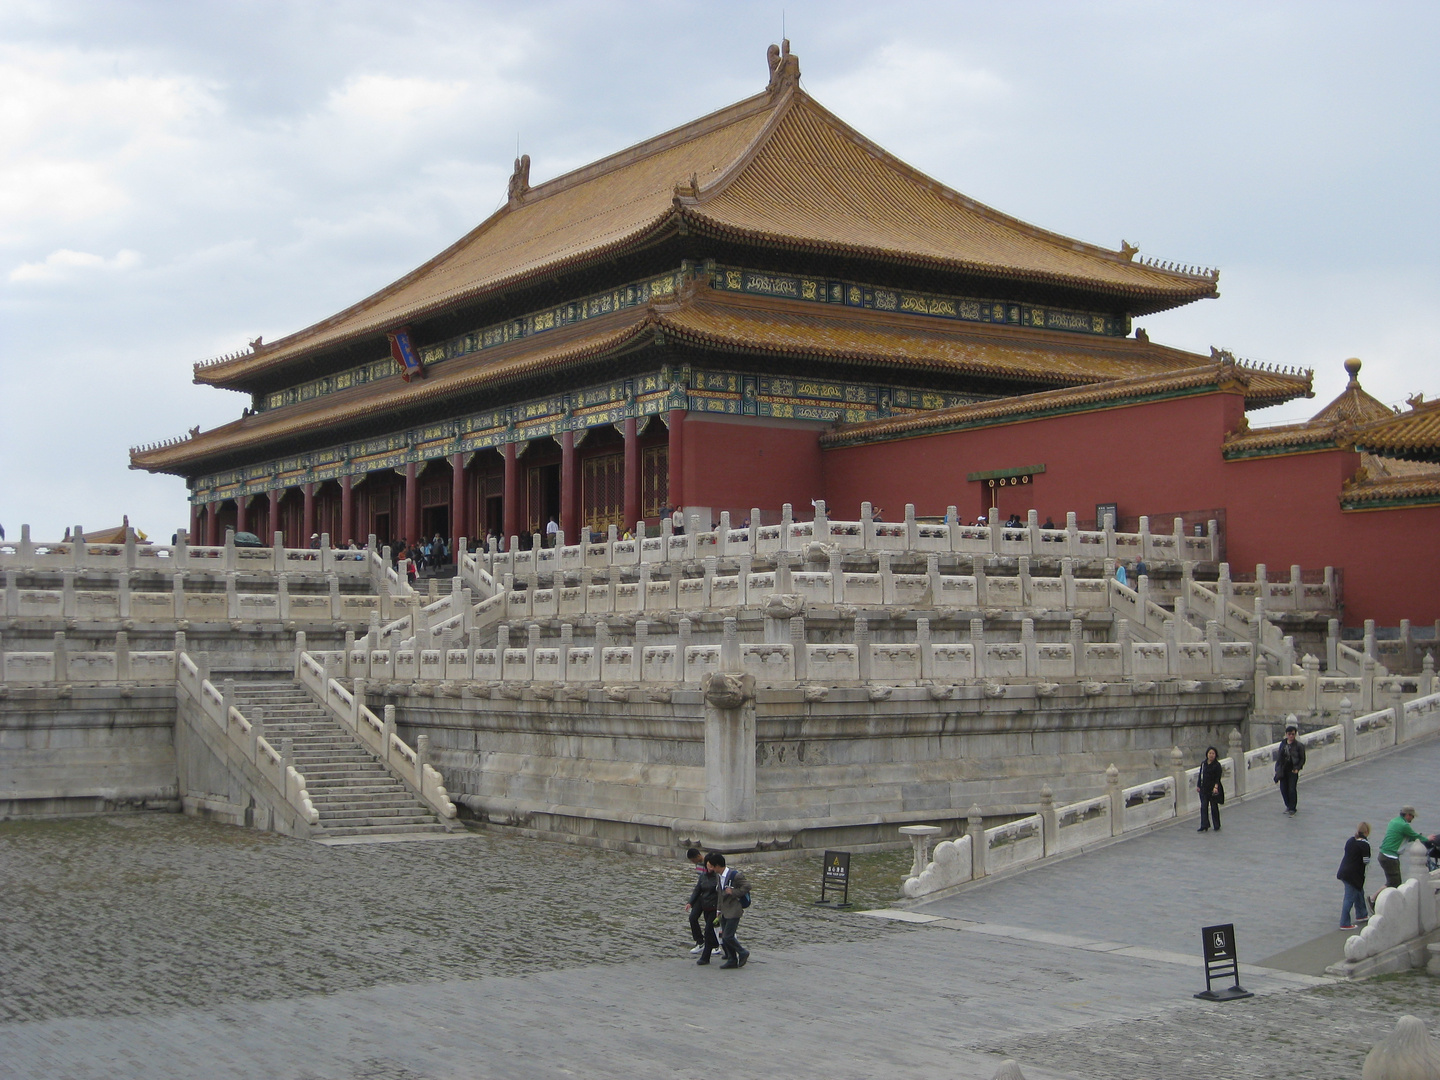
{"x":603,"y":493}
{"x":654,"y":481}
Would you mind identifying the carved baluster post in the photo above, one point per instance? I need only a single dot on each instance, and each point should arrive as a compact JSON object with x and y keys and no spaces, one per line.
{"x":1236,"y":745}
{"x":976,"y":831}
{"x":1049,"y":822}
{"x":1117,"y":800}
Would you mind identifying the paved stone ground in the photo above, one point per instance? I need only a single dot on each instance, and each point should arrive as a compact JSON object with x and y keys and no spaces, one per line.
{"x":158,"y":947}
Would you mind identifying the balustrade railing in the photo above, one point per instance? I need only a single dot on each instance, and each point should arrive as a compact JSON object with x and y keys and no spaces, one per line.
{"x":1066,"y":829}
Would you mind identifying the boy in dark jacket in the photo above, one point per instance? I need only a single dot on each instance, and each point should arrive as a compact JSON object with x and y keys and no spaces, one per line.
{"x":704,"y":900}
{"x":1352,"y":874}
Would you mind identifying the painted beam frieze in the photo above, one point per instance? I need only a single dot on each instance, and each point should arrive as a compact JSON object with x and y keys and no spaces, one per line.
{"x":676,"y":386}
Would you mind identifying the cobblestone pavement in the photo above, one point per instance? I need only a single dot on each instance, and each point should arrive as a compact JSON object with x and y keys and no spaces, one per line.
{"x":161,"y":948}
{"x":126,"y":914}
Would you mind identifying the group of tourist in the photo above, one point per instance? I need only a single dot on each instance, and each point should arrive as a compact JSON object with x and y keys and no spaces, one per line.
{"x":423,"y":554}
{"x":720,"y":896}
{"x":1289,"y":759}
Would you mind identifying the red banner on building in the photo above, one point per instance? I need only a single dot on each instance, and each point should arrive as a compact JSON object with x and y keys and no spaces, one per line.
{"x":403,"y":350}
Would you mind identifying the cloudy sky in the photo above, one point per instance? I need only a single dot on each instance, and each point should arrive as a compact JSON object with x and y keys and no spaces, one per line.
{"x":177,"y":178}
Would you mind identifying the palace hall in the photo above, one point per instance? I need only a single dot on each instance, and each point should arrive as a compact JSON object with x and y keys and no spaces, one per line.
{"x":674,"y":327}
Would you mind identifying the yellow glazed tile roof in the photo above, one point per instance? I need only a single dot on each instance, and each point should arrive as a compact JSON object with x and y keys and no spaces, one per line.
{"x":1199,"y":377}
{"x":600,"y":337}
{"x":777,"y":169}
{"x":1413,"y":434}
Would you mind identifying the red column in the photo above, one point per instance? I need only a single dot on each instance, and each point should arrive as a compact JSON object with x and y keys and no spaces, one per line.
{"x":459,"y":518}
{"x":274,"y":516}
{"x":347,"y":513}
{"x":308,"y":517}
{"x":676,"y":467}
{"x":510,"y":508}
{"x":242,"y":519}
{"x":631,"y":501}
{"x":412,"y":502}
{"x":569,"y":500}
{"x":212,"y":524}
{"x":194,"y":535}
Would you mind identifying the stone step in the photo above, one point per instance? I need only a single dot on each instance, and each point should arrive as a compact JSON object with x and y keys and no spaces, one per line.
{"x":378,"y":818}
{"x":382,"y":830}
{"x":367,"y":795}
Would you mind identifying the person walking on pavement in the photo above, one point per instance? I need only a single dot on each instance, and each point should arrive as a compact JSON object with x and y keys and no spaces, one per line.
{"x":1212,"y":790}
{"x":734,"y":898}
{"x":1289,"y":760}
{"x":1399,"y":832}
{"x":697,"y":861}
{"x":704,"y":900}
{"x":1352,"y":875}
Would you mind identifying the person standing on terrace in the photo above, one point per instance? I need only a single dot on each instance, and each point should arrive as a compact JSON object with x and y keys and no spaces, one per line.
{"x":1289,"y":757}
{"x":1352,"y":875}
{"x":1211,"y":789}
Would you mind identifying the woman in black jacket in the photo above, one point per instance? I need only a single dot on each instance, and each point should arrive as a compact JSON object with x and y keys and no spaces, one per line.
{"x":1212,"y":791}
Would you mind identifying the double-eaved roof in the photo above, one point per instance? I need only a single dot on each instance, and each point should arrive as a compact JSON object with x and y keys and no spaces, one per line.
{"x":776,"y":170}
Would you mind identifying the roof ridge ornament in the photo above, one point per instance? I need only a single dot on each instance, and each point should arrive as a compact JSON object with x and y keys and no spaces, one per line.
{"x":1128,"y":251}
{"x":519,"y":180}
{"x":784,"y":67}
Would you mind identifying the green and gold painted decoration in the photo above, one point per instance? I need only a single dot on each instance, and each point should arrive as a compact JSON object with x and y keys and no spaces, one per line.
{"x":853,"y":294}
{"x":655,"y":393}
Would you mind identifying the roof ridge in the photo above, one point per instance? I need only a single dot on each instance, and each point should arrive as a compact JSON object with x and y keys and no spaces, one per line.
{"x":1036,"y":232}
{"x":723,"y":117}
{"x":784,"y":104}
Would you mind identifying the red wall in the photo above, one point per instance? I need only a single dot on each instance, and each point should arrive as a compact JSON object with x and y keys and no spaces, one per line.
{"x":1157,"y":458}
{"x":738,"y":462}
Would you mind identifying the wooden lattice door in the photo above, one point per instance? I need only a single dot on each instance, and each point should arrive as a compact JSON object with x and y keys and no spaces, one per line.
{"x":603,"y":492}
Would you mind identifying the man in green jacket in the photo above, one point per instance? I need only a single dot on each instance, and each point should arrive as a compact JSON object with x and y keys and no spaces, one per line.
{"x":1397,"y":833}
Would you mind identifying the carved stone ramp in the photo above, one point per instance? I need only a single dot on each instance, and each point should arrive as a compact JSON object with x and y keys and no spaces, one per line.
{"x":354,"y":794}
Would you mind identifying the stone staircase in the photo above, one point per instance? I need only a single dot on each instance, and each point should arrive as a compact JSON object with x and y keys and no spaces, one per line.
{"x":354,"y":793}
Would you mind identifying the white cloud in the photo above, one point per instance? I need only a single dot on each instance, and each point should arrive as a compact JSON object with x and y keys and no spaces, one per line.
{"x":62,"y":264}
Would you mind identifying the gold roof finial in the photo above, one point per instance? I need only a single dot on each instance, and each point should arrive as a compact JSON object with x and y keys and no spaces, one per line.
{"x":1353,"y":367}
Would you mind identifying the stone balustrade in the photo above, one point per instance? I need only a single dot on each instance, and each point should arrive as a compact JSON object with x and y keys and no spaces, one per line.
{"x":1308,"y":693}
{"x":377,"y":735}
{"x":865,"y":535}
{"x":786,"y":656}
{"x":241,"y":735}
{"x":79,"y":554}
{"x":192,"y":596}
{"x":61,"y":665}
{"x":1055,"y":831}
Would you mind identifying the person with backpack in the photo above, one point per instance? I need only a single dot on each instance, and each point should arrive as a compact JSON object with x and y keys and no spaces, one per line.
{"x":734,"y":899}
{"x":1289,"y":757}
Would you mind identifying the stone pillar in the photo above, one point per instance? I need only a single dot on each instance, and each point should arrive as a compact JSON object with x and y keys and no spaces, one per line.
{"x":347,"y":511}
{"x":1117,"y":800}
{"x":976,"y":830}
{"x":1236,"y":744}
{"x":631,"y":497}
{"x":569,"y":487}
{"x":1182,"y":789}
{"x":510,"y":508}
{"x":1347,"y":725}
{"x":676,"y":465}
{"x":1049,"y":822}
{"x":412,"y":501}
{"x":729,"y":747}
{"x":307,"y":516}
{"x":274,"y":498}
{"x":459,"y":512}
{"x":920,"y":844}
{"x":242,"y":517}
